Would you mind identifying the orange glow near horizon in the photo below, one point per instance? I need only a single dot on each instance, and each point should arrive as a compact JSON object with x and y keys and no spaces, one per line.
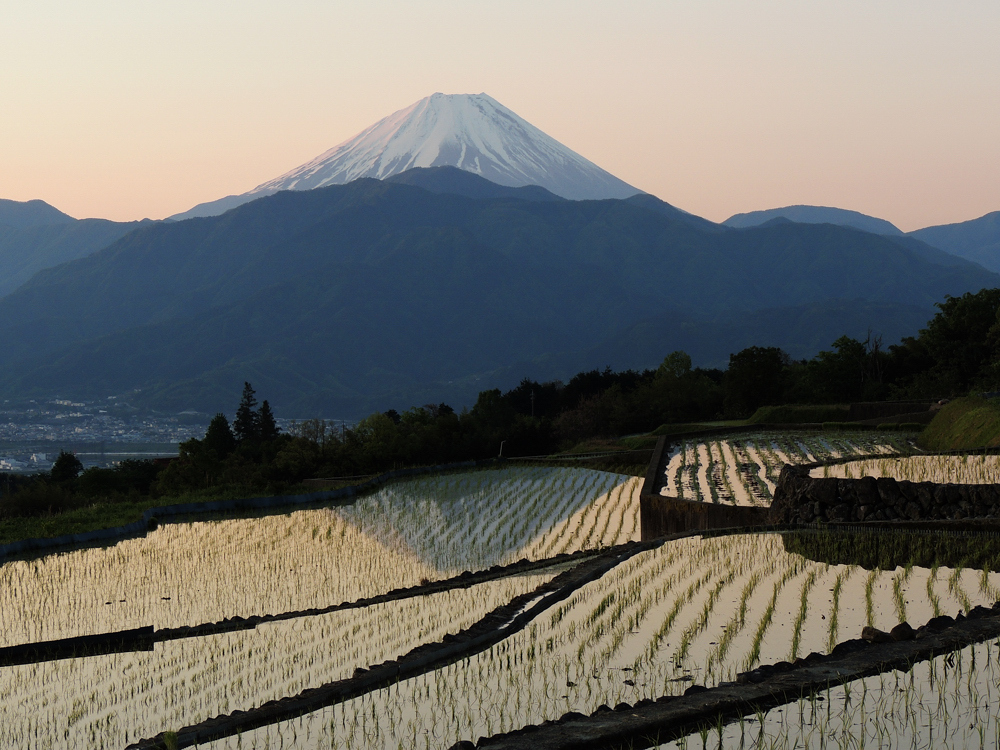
{"x":125,"y":111}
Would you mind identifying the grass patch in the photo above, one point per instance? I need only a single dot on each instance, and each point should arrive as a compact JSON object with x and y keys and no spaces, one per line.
{"x":91,"y":518}
{"x":846,"y":426}
{"x":105,"y":515}
{"x":639,"y":442}
{"x":682,"y":429}
{"x":801,"y":414}
{"x":963,"y":424}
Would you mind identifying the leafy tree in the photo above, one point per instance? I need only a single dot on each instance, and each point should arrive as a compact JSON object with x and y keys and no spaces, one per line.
{"x":246,"y":426}
{"x":315,"y":431}
{"x":380,"y":436}
{"x":837,"y":376}
{"x":679,"y":393}
{"x":534,"y":399}
{"x":675,"y":365}
{"x":958,"y":340}
{"x":492,"y":421}
{"x":755,"y":378}
{"x":66,"y":468}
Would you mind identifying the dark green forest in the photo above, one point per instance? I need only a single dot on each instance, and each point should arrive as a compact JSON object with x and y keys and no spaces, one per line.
{"x":956,"y":354}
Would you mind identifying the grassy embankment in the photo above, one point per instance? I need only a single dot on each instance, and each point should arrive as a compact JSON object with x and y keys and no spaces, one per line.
{"x":107,"y":514}
{"x":801,"y":414}
{"x":964,"y":424}
{"x":780,"y":414}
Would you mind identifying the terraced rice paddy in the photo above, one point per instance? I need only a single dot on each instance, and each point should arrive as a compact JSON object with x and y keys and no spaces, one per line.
{"x":191,"y":573}
{"x":743,"y":470}
{"x":691,"y":611}
{"x":108,"y":701}
{"x":967,"y":469}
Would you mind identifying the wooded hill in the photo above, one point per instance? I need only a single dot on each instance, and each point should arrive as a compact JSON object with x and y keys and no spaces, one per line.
{"x":374,"y":295}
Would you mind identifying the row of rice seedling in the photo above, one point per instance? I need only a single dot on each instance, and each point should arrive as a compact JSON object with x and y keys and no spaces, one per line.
{"x":694,"y":610}
{"x":479,"y":519}
{"x":743,"y":469}
{"x":109,"y":701}
{"x":948,"y":702}
{"x":964,"y":469}
{"x":191,"y":573}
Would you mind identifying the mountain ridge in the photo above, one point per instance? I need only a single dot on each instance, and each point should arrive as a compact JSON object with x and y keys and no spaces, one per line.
{"x":29,"y":214}
{"x":803,"y":214}
{"x":977,"y":240}
{"x":364,"y":293}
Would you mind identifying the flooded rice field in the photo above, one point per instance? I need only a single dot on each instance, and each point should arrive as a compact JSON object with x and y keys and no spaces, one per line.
{"x":696,"y":610}
{"x":948,"y":702}
{"x":408,"y":532}
{"x":192,"y":573}
{"x":743,"y":470}
{"x":966,"y":469}
{"x":111,"y":700}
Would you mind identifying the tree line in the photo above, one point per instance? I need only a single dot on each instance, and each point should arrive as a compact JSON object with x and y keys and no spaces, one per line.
{"x":958,"y":352}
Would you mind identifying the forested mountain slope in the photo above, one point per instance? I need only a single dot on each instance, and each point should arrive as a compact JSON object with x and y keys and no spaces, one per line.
{"x":354,"y":295}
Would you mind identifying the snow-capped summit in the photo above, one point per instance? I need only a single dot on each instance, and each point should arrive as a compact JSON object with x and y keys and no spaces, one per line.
{"x":473,"y":132}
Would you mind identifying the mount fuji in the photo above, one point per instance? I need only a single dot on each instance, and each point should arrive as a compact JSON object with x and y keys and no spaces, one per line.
{"x":473,"y":132}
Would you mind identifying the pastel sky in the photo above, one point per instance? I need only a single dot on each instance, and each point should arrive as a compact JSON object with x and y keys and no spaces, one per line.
{"x":125,"y":109}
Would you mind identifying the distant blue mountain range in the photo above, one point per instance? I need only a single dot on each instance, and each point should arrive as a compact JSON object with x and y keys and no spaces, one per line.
{"x":977,"y":240}
{"x":436,"y":284}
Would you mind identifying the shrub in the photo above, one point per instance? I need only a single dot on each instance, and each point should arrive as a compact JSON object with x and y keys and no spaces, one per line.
{"x":845,"y":426}
{"x":800,"y":414}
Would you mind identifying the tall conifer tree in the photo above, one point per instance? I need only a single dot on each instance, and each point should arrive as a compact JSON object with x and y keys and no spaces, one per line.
{"x":246,"y":426}
{"x":267,"y":427}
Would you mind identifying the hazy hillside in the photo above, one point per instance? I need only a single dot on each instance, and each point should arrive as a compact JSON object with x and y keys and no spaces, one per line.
{"x":25,"y":251}
{"x":459,"y":182}
{"x":814,"y":215}
{"x":977,"y":240}
{"x":337,"y":299}
{"x":24,"y":214}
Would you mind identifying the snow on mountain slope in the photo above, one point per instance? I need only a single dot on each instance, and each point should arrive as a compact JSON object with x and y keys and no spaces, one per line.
{"x":473,"y":132}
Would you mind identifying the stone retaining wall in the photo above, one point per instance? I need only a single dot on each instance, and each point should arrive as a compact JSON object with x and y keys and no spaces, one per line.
{"x":800,"y":498}
{"x":660,"y":515}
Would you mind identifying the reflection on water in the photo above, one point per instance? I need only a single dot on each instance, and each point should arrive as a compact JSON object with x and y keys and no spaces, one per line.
{"x":191,"y":573}
{"x":949,"y":703}
{"x":968,"y":469}
{"x":743,"y":469}
{"x":109,"y":701}
{"x":476,"y":520}
{"x":693,"y":611}
{"x":887,"y":550}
